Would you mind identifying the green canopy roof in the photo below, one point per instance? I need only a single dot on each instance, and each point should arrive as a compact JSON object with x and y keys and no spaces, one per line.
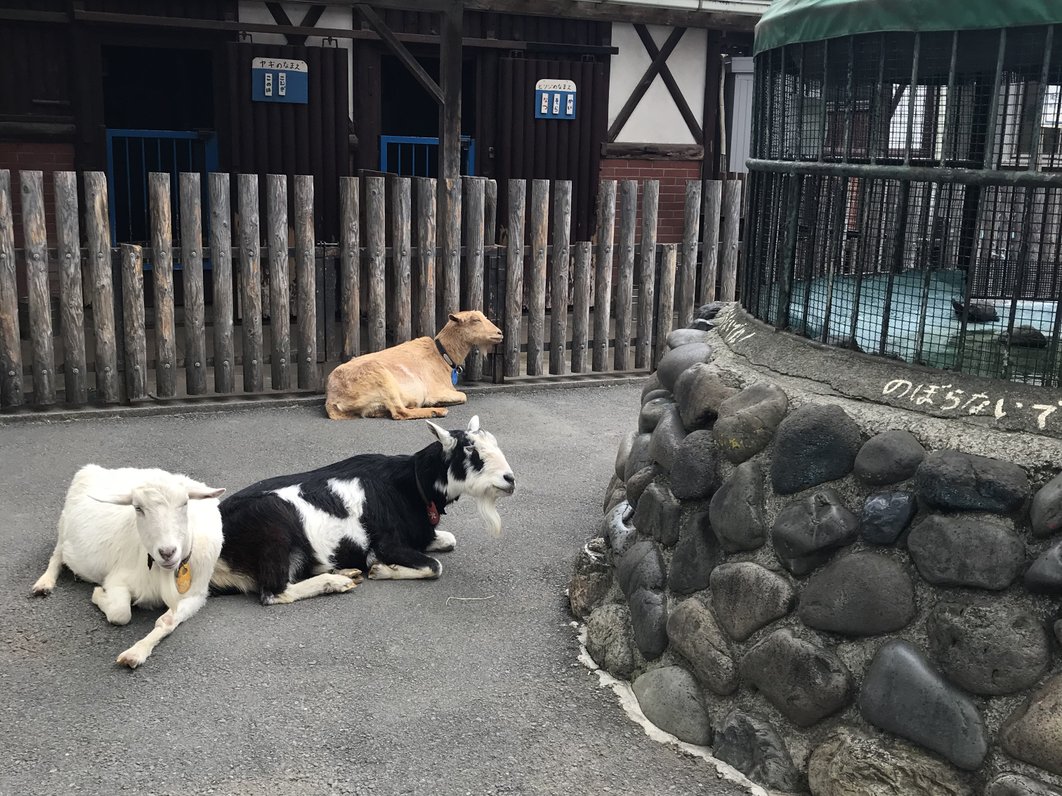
{"x":795,"y":21}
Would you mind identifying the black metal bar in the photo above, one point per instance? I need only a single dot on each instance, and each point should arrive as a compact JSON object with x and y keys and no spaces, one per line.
{"x":979,"y":177}
{"x":898,"y":246}
{"x":1019,"y":281}
{"x":951,"y":102}
{"x":849,"y":97}
{"x":993,"y":105}
{"x":861,"y":250}
{"x":1034,"y":147}
{"x":912,"y":91}
{"x":822,"y":96}
{"x":792,"y":206}
{"x":879,"y":92}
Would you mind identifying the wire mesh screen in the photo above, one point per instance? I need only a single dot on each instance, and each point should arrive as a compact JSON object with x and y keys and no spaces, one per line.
{"x":909,"y":195}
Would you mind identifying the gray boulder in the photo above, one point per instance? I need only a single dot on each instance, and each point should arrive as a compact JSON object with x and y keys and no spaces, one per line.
{"x":651,"y":412}
{"x":861,"y":594}
{"x":747,"y":421}
{"x":1034,"y":732}
{"x":657,"y":514}
{"x":699,"y":392}
{"x":885,"y":516}
{"x":1045,"y":574}
{"x":641,"y":567}
{"x":695,"y":470}
{"x":666,"y":438}
{"x":813,"y":445}
{"x":679,"y":337}
{"x":622,"y":453}
{"x":966,"y":550}
{"x":1046,"y":510}
{"x":746,"y":597}
{"x":638,"y":457}
{"x":651,"y":383}
{"x":1017,"y":785}
{"x":753,"y":746}
{"x":670,"y":698}
{"x":649,"y":622}
{"x":693,"y":632}
{"x":639,"y":482}
{"x":610,"y":640}
{"x":736,"y":510}
{"x":674,"y":362}
{"x":696,"y":553}
{"x":813,"y":524}
{"x":617,"y":531}
{"x":888,"y":458}
{"x":960,"y":481}
{"x":592,"y":578}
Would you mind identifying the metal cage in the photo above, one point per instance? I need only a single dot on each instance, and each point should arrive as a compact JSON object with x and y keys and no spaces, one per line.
{"x":907,"y":192}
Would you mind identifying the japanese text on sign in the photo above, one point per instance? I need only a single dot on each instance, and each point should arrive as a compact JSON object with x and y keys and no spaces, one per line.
{"x":555,"y":99}
{"x":943,"y":398}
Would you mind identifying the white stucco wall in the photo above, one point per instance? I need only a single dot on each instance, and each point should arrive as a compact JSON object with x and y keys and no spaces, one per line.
{"x":656,"y":120}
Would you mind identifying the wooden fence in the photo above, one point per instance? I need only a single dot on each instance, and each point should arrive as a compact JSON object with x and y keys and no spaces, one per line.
{"x":124,"y":333}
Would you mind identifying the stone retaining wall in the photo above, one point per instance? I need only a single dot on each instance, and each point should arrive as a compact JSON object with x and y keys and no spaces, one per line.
{"x":838,"y":597}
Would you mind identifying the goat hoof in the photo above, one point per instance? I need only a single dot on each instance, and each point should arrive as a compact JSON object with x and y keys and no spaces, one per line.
{"x":42,"y":590}
{"x":131,"y":658}
{"x":381,"y":571}
{"x":339,"y":584}
{"x":353,"y":574}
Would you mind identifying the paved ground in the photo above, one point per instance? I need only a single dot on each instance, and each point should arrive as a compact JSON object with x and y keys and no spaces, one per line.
{"x":390,"y":689}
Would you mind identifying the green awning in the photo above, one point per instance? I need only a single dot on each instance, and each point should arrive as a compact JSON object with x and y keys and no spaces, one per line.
{"x":795,"y":21}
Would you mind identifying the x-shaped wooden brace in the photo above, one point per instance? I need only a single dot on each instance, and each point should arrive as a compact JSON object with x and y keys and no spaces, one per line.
{"x":658,"y":66}
{"x":280,"y":16}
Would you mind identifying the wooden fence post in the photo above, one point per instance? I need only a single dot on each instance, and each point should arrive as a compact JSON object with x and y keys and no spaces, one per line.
{"x":713,"y":200}
{"x":450,"y":244}
{"x":10,"y":343}
{"x":536,"y":302}
{"x":475,"y":193}
{"x":424,"y":294}
{"x":162,"y":271}
{"x":221,"y":255}
{"x":558,"y":315}
{"x":251,"y":283}
{"x":195,"y":360}
{"x":350,"y":266}
{"x":133,"y":318}
{"x":687,"y":281}
{"x":647,"y":270}
{"x":375,"y":221}
{"x":666,"y":313}
{"x":625,"y":272}
{"x":306,"y":276}
{"x":40,"y":310}
{"x":514,"y":277}
{"x":729,"y":243}
{"x":71,"y":301}
{"x":606,"y":227}
{"x":98,"y":237}
{"x":490,"y":213}
{"x":580,"y":305}
{"x":401,"y":257}
{"x":279,"y":281}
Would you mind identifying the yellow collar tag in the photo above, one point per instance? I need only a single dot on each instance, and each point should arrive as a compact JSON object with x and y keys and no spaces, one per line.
{"x":184,"y":578}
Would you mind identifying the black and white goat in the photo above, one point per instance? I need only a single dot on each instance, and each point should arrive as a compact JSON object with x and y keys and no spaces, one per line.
{"x":298,"y":536}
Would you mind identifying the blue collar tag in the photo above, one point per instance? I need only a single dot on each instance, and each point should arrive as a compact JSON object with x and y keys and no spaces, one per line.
{"x":453,"y":376}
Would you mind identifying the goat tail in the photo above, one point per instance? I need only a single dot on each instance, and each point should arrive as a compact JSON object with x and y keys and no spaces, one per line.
{"x":488,"y":510}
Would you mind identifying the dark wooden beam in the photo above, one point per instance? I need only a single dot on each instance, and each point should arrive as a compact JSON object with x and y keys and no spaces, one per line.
{"x":643,"y":84}
{"x":620,"y":12}
{"x":309,"y":19}
{"x":399,"y":49}
{"x":653,"y":151}
{"x":672,"y":85}
{"x":713,"y":68}
{"x":450,"y":64}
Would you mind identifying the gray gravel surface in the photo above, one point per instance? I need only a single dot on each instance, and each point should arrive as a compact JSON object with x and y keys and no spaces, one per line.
{"x":392,"y":688}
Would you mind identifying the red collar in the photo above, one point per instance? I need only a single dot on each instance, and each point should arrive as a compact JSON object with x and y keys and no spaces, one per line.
{"x":433,"y":514}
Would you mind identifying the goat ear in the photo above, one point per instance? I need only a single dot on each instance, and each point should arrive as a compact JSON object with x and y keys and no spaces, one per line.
{"x":454,"y":318}
{"x":442,"y":435}
{"x":196,"y":493}
{"x":116,"y":499}
{"x":473,"y":424}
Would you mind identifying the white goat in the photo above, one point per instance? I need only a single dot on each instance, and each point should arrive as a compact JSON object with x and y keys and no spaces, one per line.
{"x":148,"y":537}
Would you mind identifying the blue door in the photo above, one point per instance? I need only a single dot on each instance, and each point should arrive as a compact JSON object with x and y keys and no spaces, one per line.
{"x":418,"y":156}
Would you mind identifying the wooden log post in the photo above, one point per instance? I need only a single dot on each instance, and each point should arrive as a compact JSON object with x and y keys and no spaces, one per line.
{"x":490,"y":213}
{"x":606,"y":228}
{"x":375,"y":222}
{"x":729,"y":241}
{"x":40,"y":310}
{"x":580,"y":305}
{"x":628,"y":204}
{"x":473,"y":216}
{"x":686,"y":285}
{"x":560,"y":265}
{"x":195,"y":353}
{"x":536,"y":301}
{"x":514,"y":277}
{"x":71,"y":300}
{"x":401,"y":258}
{"x":424,"y":293}
{"x":10,"y":333}
{"x":98,"y":237}
{"x":713,"y":202}
{"x":306,"y":279}
{"x":162,"y":272}
{"x":666,"y":312}
{"x":251,"y":283}
{"x":221,"y":255}
{"x":450,"y":243}
{"x":133,"y":316}
{"x":647,"y":273}
{"x":350,"y":265}
{"x":279,"y":281}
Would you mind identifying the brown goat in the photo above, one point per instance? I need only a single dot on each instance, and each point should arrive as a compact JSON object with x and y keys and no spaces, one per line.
{"x":410,"y":380}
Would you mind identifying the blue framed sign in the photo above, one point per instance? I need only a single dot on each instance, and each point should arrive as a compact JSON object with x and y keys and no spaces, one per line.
{"x":555,"y":99}
{"x":280,"y":80}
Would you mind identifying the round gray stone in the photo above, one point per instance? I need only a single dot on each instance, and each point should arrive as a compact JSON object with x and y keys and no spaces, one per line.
{"x":747,"y":421}
{"x":736,"y":510}
{"x":988,"y":648}
{"x":649,"y":622}
{"x":659,"y":392}
{"x":671,"y":699}
{"x":651,"y":383}
{"x":746,"y":597}
{"x":639,"y":482}
{"x":904,"y":695}
{"x":1034,"y":732}
{"x":680,"y":337}
{"x":1046,"y":511}
{"x":641,"y":567}
{"x":1017,"y":785}
{"x":813,"y":524}
{"x":1045,"y":574}
{"x":861,"y":594}
{"x":592,"y":579}
{"x":695,"y":470}
{"x":638,"y":457}
{"x":813,"y":445}
{"x":804,"y":681}
{"x":657,"y":514}
{"x":699,"y":392}
{"x":696,"y":553}
{"x":753,"y":746}
{"x":666,"y":437}
{"x":610,"y":640}
{"x":701,"y":325}
{"x":619,"y":533}
{"x":693,"y":632}
{"x":966,"y":550}
{"x":960,"y":481}
{"x":623,"y":452}
{"x":886,"y":515}
{"x":674,"y":362}
{"x":708,"y":311}
{"x":652,"y":411}
{"x":1025,"y":336}
{"x":888,"y":458}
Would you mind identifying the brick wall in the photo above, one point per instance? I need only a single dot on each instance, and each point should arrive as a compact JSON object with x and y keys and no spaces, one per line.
{"x":673,"y":175}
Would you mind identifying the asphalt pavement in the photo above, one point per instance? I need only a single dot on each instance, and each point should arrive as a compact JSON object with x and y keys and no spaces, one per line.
{"x":465,"y":685}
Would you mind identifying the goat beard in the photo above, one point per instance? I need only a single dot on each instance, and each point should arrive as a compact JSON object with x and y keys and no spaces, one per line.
{"x":489,"y":512}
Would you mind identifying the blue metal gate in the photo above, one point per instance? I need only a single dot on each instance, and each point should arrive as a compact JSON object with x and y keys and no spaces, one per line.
{"x":418,"y":156}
